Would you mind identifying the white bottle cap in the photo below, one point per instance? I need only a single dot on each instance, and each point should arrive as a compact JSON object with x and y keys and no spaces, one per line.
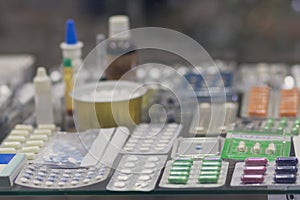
{"x":41,"y":80}
{"x":118,"y":24}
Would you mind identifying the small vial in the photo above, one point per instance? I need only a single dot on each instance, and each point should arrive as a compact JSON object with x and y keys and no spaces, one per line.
{"x":271,"y":149}
{"x":256,"y":148}
{"x":242,"y":147}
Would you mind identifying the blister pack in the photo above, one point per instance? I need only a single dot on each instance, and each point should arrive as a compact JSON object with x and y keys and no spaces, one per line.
{"x":211,"y":172}
{"x":283,"y":172}
{"x":152,"y":139}
{"x":137,"y":173}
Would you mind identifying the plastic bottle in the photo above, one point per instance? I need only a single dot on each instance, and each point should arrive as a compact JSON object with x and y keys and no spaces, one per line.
{"x":120,"y":49}
{"x":71,"y":47}
{"x":68,"y":79}
{"x":43,"y":97}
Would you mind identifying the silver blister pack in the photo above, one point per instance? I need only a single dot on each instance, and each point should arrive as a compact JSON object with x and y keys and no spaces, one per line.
{"x":43,"y":177}
{"x":152,"y":139}
{"x":193,"y":177}
{"x":137,"y":173}
{"x":268,"y":178}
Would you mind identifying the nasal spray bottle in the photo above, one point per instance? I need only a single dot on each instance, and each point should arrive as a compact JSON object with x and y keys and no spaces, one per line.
{"x":72,"y":49}
{"x":43,"y":97}
{"x":68,"y":79}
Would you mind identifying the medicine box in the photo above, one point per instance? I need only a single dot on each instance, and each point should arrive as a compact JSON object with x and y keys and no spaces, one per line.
{"x":10,"y":166}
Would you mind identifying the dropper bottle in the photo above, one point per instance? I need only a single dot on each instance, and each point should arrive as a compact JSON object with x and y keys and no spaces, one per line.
{"x":121,"y":53}
{"x":71,"y":47}
{"x":43,"y":97}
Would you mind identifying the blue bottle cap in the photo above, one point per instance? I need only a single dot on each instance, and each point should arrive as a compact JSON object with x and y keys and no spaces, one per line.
{"x":71,"y":36}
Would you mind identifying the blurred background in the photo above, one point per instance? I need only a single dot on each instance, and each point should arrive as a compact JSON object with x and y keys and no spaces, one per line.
{"x":245,"y":31}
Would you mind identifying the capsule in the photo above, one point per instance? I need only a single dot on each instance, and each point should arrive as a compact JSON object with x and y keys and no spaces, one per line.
{"x":206,"y":179}
{"x":252,"y":179}
{"x":212,"y":159}
{"x":256,"y":148}
{"x":286,"y":161}
{"x":178,"y":179}
{"x":255,"y":170}
{"x":256,"y":161}
{"x":271,"y":149}
{"x":242,"y":147}
{"x":210,"y":168}
{"x":286,"y":170}
{"x":180,"y":169}
{"x":285,"y":178}
{"x":189,"y":160}
{"x":182,"y":164}
{"x":211,"y":164}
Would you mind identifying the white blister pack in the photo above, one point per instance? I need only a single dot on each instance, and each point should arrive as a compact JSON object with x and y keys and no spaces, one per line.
{"x":137,"y":173}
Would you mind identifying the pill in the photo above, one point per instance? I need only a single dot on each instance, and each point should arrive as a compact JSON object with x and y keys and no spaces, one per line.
{"x":285,"y":178}
{"x":159,"y":148}
{"x":241,"y":146}
{"x":7,"y":150}
{"x":295,"y":130}
{"x":148,"y":141}
{"x":132,"y":158}
{"x":24,"y":180}
{"x":270,"y":122}
{"x":130,"y":145}
{"x":252,"y":179}
{"x":165,"y":142}
{"x":147,"y":171}
{"x":61,"y":184}
{"x":25,"y":127}
{"x":128,"y":148}
{"x":144,"y":178}
{"x":280,"y":128}
{"x":181,"y":164}
{"x":211,"y":168}
{"x":178,"y":179}
{"x":179,"y":173}
{"x":180,"y":169}
{"x":169,"y":133}
{"x":209,"y":164}
{"x":255,"y":169}
{"x":166,"y":137}
{"x":141,"y":184}
{"x":144,"y":148}
{"x":125,"y":171}
{"x":31,"y":149}
{"x":206,"y":179}
{"x":286,"y":170}
{"x":256,"y":148}
{"x":39,"y":143}
{"x":74,"y":182}
{"x":42,"y":132}
{"x":51,"y":127}
{"x":183,"y":159}
{"x":49,"y":183}
{"x":123,"y":178}
{"x":149,"y":165}
{"x":256,"y":161}
{"x":36,"y":182}
{"x":38,"y":137}
{"x":17,"y":138}
{"x":297,"y":122}
{"x":99,"y":177}
{"x":209,"y":173}
{"x":15,"y":145}
{"x":129,"y":165}
{"x":146,"y":144}
{"x":119,"y":184}
{"x":153,"y":159}
{"x":85,"y":181}
{"x":20,"y":132}
{"x":286,"y":161}
{"x":212,"y":159}
{"x":283,"y":122}
{"x":271,"y":149}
